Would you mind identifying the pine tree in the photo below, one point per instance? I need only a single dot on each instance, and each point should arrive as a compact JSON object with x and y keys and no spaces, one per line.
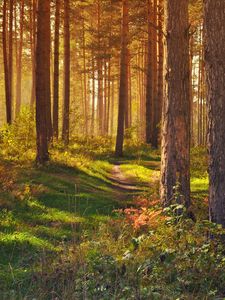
{"x":56,"y":72}
{"x":214,"y":12}
{"x":175,"y":161}
{"x":66,"y":107}
{"x":42,"y":79}
{"x":123,"y":90}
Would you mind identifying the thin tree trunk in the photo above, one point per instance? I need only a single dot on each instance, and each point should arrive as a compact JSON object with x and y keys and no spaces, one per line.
{"x":66,"y":108}
{"x":109,"y":96}
{"x":127,"y":124}
{"x":6,"y":66}
{"x":33,"y":47}
{"x":112,"y":107}
{"x":139,"y":93}
{"x":105,"y":95}
{"x":191,"y":89}
{"x":149,"y":78}
{"x":129,"y":93}
{"x":93,"y":97}
{"x":100,"y":77}
{"x":10,"y":57}
{"x":19,"y":61}
{"x":161,"y":60}
{"x":56,"y":73}
{"x":123,"y":90}
{"x":156,"y":115}
{"x":85,"y":81}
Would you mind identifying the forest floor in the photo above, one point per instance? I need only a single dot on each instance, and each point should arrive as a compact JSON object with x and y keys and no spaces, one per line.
{"x":71,"y":206}
{"x":43,"y":207}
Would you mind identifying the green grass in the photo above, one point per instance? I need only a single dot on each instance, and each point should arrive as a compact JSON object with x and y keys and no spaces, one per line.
{"x":200,"y":185}
{"x":55,"y":201}
{"x":52,"y":205}
{"x":47,"y":208}
{"x":139,"y":172}
{"x":199,"y":175}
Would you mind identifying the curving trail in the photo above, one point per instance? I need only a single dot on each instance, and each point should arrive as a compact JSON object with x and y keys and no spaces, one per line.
{"x":123,"y":183}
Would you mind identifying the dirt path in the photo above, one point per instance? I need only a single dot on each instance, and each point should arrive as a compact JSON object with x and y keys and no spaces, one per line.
{"x":122,"y":182}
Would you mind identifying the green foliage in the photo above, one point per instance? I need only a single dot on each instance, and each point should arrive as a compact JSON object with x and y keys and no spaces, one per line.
{"x":17,"y":141}
{"x":140,"y":172}
{"x":60,"y":236}
{"x":168,"y":262}
{"x":199,"y":162}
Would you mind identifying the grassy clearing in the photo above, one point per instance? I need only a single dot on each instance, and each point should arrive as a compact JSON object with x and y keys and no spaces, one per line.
{"x":59,"y":236}
{"x":43,"y":208}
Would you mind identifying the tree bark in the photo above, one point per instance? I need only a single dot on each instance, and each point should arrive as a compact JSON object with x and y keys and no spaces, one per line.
{"x":33,"y":47}
{"x":112,"y":108}
{"x":214,"y":39}
{"x":109,"y":96}
{"x":123,"y":90}
{"x":42,"y":79}
{"x":10,"y":57}
{"x":6,"y":66}
{"x":100,"y":75}
{"x":19,"y":61}
{"x":66,"y":108}
{"x":85,"y":79}
{"x":56,"y":72}
{"x":160,"y":62}
{"x":175,"y":164}
{"x":93,"y":97}
{"x":149,"y":78}
{"x":156,"y":115}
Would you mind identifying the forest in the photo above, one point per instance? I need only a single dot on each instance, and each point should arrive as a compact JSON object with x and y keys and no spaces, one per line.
{"x":112,"y":149}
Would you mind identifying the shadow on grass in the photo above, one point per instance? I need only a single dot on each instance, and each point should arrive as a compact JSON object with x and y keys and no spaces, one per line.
{"x":65,"y":201}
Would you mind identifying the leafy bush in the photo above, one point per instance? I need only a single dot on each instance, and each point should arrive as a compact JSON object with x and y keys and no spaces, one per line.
{"x":17,"y":141}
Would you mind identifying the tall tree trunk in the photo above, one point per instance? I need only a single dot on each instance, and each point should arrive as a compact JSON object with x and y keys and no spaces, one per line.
{"x":105,"y":82}
{"x":93,"y":97}
{"x":66,"y":108}
{"x":85,"y":80}
{"x":10,"y":57}
{"x":156,"y":115}
{"x":19,"y":60}
{"x":127,"y":123}
{"x":140,"y":94}
{"x":42,"y":79}
{"x":149,"y":78}
{"x":191,"y":89}
{"x":175,"y":164}
{"x":33,"y":7}
{"x":160,"y":62}
{"x":56,"y":72}
{"x":204,"y":124}
{"x":100,"y":75}
{"x":109,"y":96}
{"x":123,"y":90}
{"x":143,"y":82}
{"x":129,"y":93}
{"x":112,"y":107}
{"x":200,"y":64}
{"x":214,"y":37}
{"x":6,"y":65}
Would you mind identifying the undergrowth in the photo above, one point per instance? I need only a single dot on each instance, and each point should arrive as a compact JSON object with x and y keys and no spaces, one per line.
{"x":65,"y":233}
